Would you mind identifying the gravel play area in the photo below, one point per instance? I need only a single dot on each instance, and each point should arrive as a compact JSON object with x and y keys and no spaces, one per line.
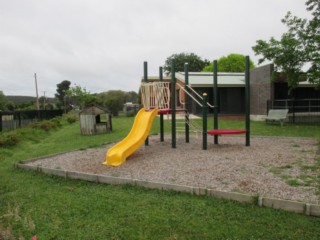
{"x":278,"y":167}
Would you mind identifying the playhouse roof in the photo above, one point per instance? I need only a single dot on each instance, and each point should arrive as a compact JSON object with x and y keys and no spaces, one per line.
{"x":94,"y":110}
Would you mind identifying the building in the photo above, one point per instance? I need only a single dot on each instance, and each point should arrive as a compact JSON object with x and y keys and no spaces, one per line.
{"x":265,"y":93}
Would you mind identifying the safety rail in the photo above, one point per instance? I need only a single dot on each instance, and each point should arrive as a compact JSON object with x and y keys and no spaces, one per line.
{"x":155,"y":95}
{"x":296,"y":105}
{"x":300,"y":110}
{"x":190,"y":95}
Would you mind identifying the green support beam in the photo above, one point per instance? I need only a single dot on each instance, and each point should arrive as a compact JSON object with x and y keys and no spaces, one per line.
{"x":145,"y":79}
{"x":187,"y":100}
{"x":161,"y":115}
{"x":173,"y":104}
{"x":204,"y":121}
{"x":247,"y":101}
{"x":215,"y":99}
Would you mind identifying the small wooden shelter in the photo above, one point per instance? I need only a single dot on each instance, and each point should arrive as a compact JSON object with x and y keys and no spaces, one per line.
{"x":94,"y":120}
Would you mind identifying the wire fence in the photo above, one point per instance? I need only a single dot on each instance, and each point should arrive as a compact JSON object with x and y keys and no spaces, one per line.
{"x":11,"y":120}
{"x":300,"y":110}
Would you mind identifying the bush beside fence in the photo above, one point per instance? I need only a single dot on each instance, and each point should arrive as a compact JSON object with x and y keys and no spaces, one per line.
{"x":11,"y":120}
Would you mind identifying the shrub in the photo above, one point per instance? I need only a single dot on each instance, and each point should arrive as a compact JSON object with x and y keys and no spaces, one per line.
{"x":57,"y":120}
{"x":47,"y":125}
{"x":71,"y":119}
{"x":9,"y":139}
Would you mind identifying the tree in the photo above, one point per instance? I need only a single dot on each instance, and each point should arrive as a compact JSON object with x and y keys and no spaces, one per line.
{"x":113,"y":100}
{"x":62,"y":89}
{"x":297,"y":48}
{"x":10,"y":106}
{"x":28,"y":105}
{"x":234,"y":62}
{"x":196,"y":64}
{"x":131,"y":96}
{"x":3,"y":101}
{"x":81,"y":96}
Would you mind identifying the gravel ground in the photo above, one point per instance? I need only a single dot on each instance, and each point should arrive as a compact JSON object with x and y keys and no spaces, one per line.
{"x":263,"y":168}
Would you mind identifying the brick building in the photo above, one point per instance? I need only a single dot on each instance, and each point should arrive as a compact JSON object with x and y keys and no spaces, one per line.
{"x":264,"y":92}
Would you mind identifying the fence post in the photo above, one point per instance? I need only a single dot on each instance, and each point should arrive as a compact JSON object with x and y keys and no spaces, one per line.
{"x":293,"y":111}
{"x":19,"y":119}
{"x":110,"y":121}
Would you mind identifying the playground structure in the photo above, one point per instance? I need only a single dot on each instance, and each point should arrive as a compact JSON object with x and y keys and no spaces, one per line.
{"x":160,"y":98}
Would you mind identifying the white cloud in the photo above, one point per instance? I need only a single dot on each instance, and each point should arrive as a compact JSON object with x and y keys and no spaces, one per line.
{"x":101,"y":45}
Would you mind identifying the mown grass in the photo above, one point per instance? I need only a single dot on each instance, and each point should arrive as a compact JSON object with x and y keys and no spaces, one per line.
{"x":257,"y":128}
{"x":56,"y":208}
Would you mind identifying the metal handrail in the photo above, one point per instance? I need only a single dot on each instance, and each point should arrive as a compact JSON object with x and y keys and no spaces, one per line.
{"x":299,"y":103}
{"x":181,"y":87}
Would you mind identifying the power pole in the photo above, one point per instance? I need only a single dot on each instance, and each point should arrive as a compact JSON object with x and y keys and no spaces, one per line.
{"x":35,"y":79}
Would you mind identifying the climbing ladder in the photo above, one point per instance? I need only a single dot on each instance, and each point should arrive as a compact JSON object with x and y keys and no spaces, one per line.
{"x":193,"y":125}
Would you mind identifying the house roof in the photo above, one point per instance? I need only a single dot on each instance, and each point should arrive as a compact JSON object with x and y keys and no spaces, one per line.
{"x":205,"y":79}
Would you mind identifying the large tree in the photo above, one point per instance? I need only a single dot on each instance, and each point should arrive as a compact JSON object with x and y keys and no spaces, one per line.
{"x":131,"y":96}
{"x":81,"y":96}
{"x":113,"y":100}
{"x":297,"y":48}
{"x":195,"y":63}
{"x":62,"y":89}
{"x":234,"y":62}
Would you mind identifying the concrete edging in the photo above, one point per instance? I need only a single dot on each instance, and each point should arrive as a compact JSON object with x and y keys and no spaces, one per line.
{"x":290,"y":206}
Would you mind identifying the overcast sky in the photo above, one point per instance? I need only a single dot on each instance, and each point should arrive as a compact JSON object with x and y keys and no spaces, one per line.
{"x":101,"y":44}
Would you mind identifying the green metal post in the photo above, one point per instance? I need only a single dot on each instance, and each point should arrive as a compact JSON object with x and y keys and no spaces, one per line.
{"x":145,"y":79}
{"x":204,"y":122}
{"x":19,"y":119}
{"x":186,"y":87}
{"x":173,"y":104}
{"x":161,"y":115}
{"x":247,"y":93}
{"x":215,"y":100}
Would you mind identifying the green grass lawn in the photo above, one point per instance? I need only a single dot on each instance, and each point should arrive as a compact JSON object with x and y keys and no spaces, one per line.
{"x":257,"y":128}
{"x":56,"y":208}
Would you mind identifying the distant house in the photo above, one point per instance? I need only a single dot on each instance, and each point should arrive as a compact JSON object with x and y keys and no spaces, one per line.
{"x":231,"y":90}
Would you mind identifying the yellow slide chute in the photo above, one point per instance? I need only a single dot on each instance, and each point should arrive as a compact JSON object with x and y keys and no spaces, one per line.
{"x":136,"y":137}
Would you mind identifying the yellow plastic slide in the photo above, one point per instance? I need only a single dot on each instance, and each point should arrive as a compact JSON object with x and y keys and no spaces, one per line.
{"x":136,"y":137}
